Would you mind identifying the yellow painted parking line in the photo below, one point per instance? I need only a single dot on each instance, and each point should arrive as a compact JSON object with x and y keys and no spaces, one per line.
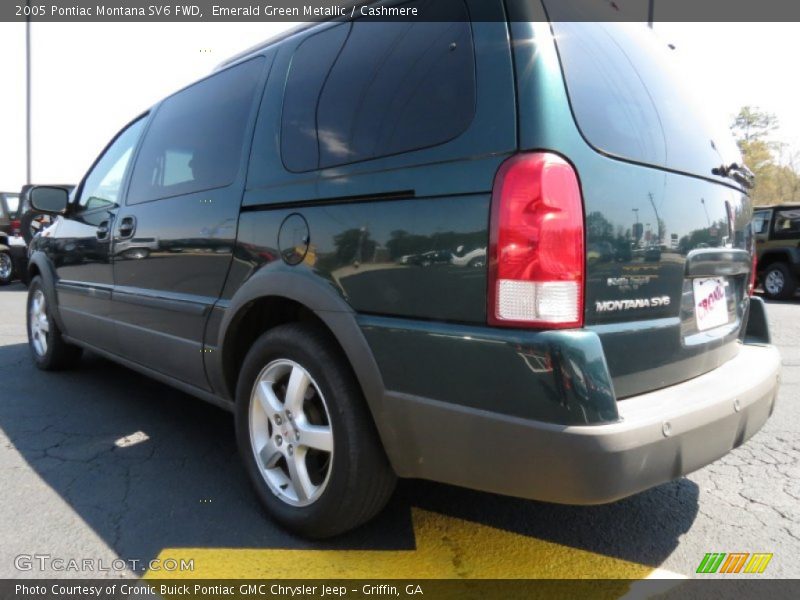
{"x":446,"y":547}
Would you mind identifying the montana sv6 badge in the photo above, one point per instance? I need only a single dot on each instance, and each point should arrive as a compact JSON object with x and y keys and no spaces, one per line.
{"x":628,"y":304}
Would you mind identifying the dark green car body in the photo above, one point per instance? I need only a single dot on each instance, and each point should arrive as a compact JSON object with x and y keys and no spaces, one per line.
{"x":390,"y":253}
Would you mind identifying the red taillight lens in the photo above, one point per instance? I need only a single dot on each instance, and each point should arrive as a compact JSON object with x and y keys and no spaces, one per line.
{"x":751,"y":287}
{"x":536,"y":257}
{"x":16,"y":228}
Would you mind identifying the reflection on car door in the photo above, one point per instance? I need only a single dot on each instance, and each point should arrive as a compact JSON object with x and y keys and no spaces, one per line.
{"x":80,"y":246}
{"x":173,"y":241}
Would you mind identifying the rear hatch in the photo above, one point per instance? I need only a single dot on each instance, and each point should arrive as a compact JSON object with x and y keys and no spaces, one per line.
{"x":667,"y":236}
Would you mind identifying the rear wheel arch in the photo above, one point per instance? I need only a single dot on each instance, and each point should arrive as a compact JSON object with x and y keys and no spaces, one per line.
{"x":40,"y":265}
{"x":770,"y":257}
{"x":253,"y":319}
{"x":274,"y":298}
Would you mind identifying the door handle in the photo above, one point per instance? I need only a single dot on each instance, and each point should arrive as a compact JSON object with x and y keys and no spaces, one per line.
{"x":127,"y":227}
{"x":102,"y":231}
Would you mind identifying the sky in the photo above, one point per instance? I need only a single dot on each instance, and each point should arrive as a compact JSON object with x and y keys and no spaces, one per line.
{"x":90,"y":79}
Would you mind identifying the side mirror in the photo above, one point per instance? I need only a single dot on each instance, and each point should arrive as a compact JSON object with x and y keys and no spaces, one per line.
{"x":49,"y":199}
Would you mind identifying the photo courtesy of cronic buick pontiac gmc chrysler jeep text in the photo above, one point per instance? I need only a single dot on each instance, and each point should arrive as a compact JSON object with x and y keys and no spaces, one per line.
{"x":505,"y":253}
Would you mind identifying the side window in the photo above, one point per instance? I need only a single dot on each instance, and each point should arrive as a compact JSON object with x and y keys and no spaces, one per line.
{"x":13,"y":206}
{"x":787,"y":223}
{"x":197,"y":136}
{"x":393,"y":87}
{"x":103,"y":185}
{"x":761,"y":221}
{"x":311,"y":64}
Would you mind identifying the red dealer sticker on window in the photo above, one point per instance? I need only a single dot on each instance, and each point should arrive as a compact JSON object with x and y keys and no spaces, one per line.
{"x":710,"y":303}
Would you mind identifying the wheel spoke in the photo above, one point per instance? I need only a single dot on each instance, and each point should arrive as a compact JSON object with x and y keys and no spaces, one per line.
{"x":296,"y":390}
{"x":298,"y":475}
{"x":315,"y":436}
{"x":269,"y":455}
{"x":288,"y":418}
{"x":44,"y":325}
{"x":267,"y":398}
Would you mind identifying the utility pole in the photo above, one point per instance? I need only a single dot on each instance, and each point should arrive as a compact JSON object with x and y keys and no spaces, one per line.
{"x":651,"y":6}
{"x":655,"y":210}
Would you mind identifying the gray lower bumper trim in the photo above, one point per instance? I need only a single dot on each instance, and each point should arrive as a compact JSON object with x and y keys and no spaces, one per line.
{"x":661,"y":435}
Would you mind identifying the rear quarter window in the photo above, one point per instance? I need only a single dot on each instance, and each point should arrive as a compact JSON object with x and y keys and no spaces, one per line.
{"x":367,"y":89}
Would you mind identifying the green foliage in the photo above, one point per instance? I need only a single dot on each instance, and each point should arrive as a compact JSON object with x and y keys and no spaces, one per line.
{"x":752,"y":124}
{"x":774,"y":166}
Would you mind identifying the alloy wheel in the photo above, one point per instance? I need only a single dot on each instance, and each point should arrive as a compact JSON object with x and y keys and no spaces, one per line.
{"x":774,"y":282}
{"x":39,"y":324}
{"x":6,"y":266}
{"x":290,"y":433}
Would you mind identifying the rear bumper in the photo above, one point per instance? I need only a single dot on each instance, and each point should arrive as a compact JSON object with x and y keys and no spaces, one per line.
{"x":660,"y":436}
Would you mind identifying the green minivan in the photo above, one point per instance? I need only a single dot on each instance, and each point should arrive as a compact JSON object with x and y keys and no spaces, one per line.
{"x":502,"y":248}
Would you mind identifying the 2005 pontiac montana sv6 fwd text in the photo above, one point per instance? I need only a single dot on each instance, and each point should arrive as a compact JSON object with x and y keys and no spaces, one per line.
{"x":505,"y":253}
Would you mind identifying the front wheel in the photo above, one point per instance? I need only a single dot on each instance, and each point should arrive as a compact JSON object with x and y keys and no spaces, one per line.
{"x":49,"y":350}
{"x":779,"y":282}
{"x":306,"y":438}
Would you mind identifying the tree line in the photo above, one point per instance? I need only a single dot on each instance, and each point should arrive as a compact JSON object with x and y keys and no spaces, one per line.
{"x":775,"y":165}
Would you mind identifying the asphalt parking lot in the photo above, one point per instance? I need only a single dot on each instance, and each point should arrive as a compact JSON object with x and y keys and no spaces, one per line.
{"x":102,"y":463}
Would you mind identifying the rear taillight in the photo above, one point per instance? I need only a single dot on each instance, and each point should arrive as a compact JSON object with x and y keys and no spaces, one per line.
{"x":751,"y":287}
{"x":536,"y":256}
{"x":16,"y":228}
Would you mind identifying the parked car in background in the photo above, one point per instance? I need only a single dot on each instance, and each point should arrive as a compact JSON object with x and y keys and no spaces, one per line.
{"x":465,"y":257}
{"x":13,"y":250}
{"x":777,"y":232}
{"x":342,"y":147}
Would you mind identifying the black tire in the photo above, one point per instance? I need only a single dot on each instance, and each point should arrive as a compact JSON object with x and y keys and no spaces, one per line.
{"x":779,"y":282}
{"x":360,"y":480}
{"x":6,"y":267}
{"x":58,"y":354}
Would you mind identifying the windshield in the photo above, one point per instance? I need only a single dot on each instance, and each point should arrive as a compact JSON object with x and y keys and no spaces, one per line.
{"x":629,"y":99}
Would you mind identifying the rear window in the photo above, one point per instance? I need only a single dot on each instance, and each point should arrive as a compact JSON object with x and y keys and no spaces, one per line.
{"x":370,"y":89}
{"x":629,"y":99}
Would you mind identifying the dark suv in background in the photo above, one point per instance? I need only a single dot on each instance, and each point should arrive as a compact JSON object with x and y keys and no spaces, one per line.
{"x":12,"y":247}
{"x":777,"y":230}
{"x":293,"y":238}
